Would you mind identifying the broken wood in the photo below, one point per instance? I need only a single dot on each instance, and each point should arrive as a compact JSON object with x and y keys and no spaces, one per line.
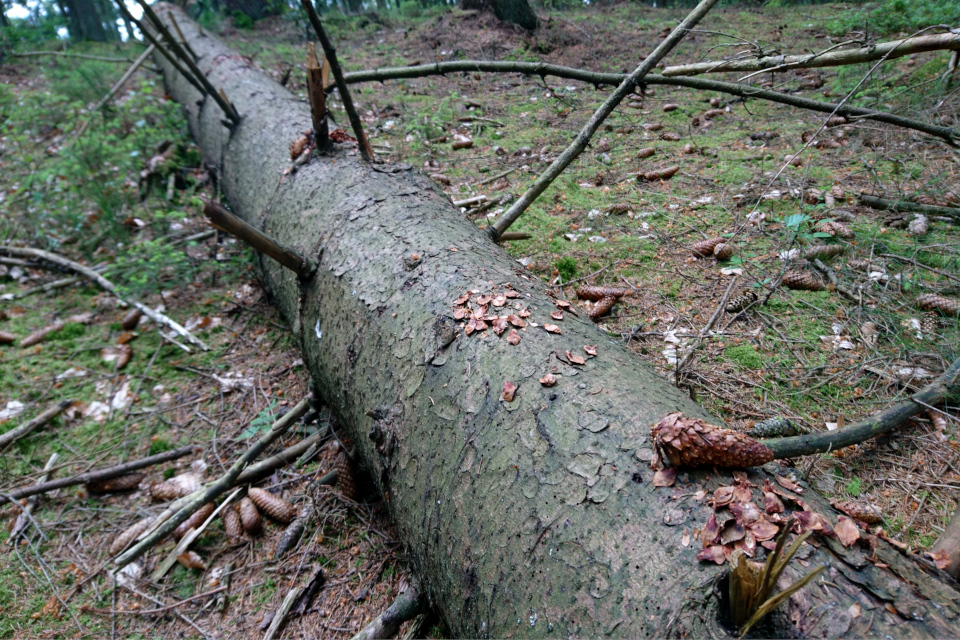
{"x":586,"y":133}
{"x":225,"y":221}
{"x":23,"y":518}
{"x":96,"y":476}
{"x":512,"y":236}
{"x":106,"y":285}
{"x":318,"y":97}
{"x":890,"y":50}
{"x":330,"y":54}
{"x":192,"y":534}
{"x":905,"y":205}
{"x":949,"y":544}
{"x":407,"y":606}
{"x":52,"y":412}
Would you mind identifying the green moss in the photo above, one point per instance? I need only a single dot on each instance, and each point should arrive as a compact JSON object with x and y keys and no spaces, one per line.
{"x":744,"y":355}
{"x":69,"y":331}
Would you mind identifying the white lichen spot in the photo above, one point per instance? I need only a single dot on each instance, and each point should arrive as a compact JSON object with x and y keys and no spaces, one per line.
{"x":533,"y":619}
{"x":316,"y":330}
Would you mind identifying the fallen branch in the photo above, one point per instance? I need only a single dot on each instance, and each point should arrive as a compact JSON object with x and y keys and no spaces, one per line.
{"x":937,"y":391}
{"x":52,"y":412}
{"x":147,"y":612}
{"x":733,"y":88}
{"x":894,"y":49}
{"x":267,"y":466}
{"x":586,"y":133}
{"x":23,"y":519}
{"x":117,"y":86}
{"x":407,"y":606}
{"x":95,"y":476}
{"x":106,"y":285}
{"x":65,"y":54}
{"x":184,"y":507}
{"x":919,"y":264}
{"x":840,"y":288}
{"x":331,"y":56}
{"x":905,"y":205}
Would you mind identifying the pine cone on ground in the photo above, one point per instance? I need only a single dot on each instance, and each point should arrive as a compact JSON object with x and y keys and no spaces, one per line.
{"x":691,"y":442}
{"x":250,"y":517}
{"x":802,"y":280}
{"x":595,"y":293}
{"x":835,"y":228}
{"x":723,"y":251}
{"x":126,"y":482}
{"x":129,"y":535}
{"x":741,"y":302}
{"x":231,"y":523}
{"x":196,"y":519}
{"x":930,"y":324}
{"x":822,"y":251}
{"x":933,"y":302}
{"x":275,"y":507}
{"x":602,"y":307}
{"x":705,"y":248}
{"x":346,"y":479}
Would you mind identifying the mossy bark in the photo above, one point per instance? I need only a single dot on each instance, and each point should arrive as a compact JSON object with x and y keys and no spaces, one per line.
{"x":533,"y":518}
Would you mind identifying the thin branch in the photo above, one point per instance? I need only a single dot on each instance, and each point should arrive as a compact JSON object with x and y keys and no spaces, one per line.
{"x":106,"y":285}
{"x":407,"y":606}
{"x":896,"y":49}
{"x":904,"y":205}
{"x":919,"y":264}
{"x":117,"y":86}
{"x":30,"y":54}
{"x":703,"y":84}
{"x":706,"y":329}
{"x":147,"y":612}
{"x":940,"y":389}
{"x":52,"y":412}
{"x":95,"y":476}
{"x":331,"y":55}
{"x":24,"y":518}
{"x":583,"y":138}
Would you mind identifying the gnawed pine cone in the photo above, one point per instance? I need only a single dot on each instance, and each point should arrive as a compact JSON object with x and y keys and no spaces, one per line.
{"x":250,"y":517}
{"x":691,"y":442}
{"x":196,"y":519}
{"x":802,"y":280}
{"x":705,"y":248}
{"x":602,"y":307}
{"x":277,"y":508}
{"x":823,"y":251}
{"x":595,"y":293}
{"x":129,"y":535}
{"x":930,"y":324}
{"x":346,"y":480}
{"x":741,"y":302}
{"x":125,"y":482}
{"x":231,"y":523}
{"x":933,"y":302}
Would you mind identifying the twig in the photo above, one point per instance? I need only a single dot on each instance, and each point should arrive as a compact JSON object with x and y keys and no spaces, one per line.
{"x":106,"y":285}
{"x":706,"y":329}
{"x":896,"y":49}
{"x":52,"y":412}
{"x":147,"y":612}
{"x":184,"y":507}
{"x":94,"y":476}
{"x":842,"y":289}
{"x":160,"y":602}
{"x":502,"y":174}
{"x":407,"y":606}
{"x":586,"y":133}
{"x":224,"y":220}
{"x":183,"y":40}
{"x":65,"y":54}
{"x":281,"y":615}
{"x":24,"y":517}
{"x":116,"y":87}
{"x":919,"y":264}
{"x":904,"y":205}
{"x":331,"y":55}
{"x":940,"y":389}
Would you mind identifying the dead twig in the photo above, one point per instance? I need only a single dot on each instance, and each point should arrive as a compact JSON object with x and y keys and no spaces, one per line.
{"x":706,"y":329}
{"x":52,"y":412}
{"x":23,"y":518}
{"x":147,"y":612}
{"x":116,"y":87}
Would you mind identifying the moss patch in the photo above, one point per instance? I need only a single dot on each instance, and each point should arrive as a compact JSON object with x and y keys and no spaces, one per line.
{"x":744,"y":355}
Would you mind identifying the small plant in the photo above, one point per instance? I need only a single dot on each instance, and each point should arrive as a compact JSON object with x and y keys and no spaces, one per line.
{"x":261,"y":423}
{"x":854,"y":486}
{"x":566,"y":267}
{"x":242,"y":20}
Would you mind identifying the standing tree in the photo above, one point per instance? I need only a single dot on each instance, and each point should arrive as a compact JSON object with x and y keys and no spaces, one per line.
{"x":83,"y":20}
{"x":516,"y":12}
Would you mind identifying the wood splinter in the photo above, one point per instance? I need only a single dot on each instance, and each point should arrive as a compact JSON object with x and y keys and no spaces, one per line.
{"x":224,"y":220}
{"x":316,"y":81}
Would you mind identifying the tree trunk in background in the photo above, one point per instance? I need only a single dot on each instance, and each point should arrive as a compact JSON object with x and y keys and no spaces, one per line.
{"x":255,"y":9}
{"x":527,"y":518}
{"x":3,"y":15}
{"x":516,"y":12}
{"x":84,"y":21}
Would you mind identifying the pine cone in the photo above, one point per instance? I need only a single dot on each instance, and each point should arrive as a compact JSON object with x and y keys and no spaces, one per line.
{"x":176,"y":487}
{"x":802,"y":280}
{"x":930,"y":324}
{"x":602,"y":307}
{"x":196,"y":519}
{"x":723,"y":251}
{"x":863,"y":511}
{"x":126,"y":482}
{"x":277,"y":508}
{"x":588,"y":292}
{"x":823,"y":251}
{"x":231,"y":523}
{"x":705,"y":248}
{"x":129,"y":535}
{"x":919,"y":226}
{"x":691,"y":442}
{"x":250,"y":517}
{"x":835,"y":228}
{"x":346,"y":480}
{"x":933,"y":302}
{"x":291,"y":535}
{"x":741,"y":302}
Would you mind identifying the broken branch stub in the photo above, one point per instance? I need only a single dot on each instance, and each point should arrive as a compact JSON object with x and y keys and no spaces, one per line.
{"x":318,"y":98}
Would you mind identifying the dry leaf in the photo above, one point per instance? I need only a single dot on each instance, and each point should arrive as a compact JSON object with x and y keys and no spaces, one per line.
{"x":712,"y":554}
{"x":940,"y":558}
{"x":710,"y":533}
{"x":573,"y":358}
{"x":513,"y":337}
{"x":192,"y":560}
{"x":590,"y":349}
{"x":509,"y":389}
{"x":548,"y":380}
{"x":552,"y":328}
{"x":847,"y":531}
{"x":523,"y":313}
{"x":515,"y":321}
{"x":788,"y":484}
{"x":665,"y":477}
{"x":854,"y":610}
{"x":556,"y":315}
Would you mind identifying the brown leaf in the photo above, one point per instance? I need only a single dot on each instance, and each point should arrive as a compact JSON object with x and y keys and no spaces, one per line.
{"x":509,"y":389}
{"x":463,"y":298}
{"x":192,"y":560}
{"x":789,"y":485}
{"x":772,"y":503}
{"x":552,"y":328}
{"x":763,"y":529}
{"x":746,"y":512}
{"x":556,"y":315}
{"x":747,"y":544}
{"x":471,"y":326}
{"x":590,"y":349}
{"x":499,"y":300}
{"x":665,"y":477}
{"x":484,"y":299}
{"x":461,"y":313}
{"x":573,"y":358}
{"x":513,"y":337}
{"x":563,"y":304}
{"x":513,"y":294}
{"x":548,"y":380}
{"x":847,"y":531}
{"x":710,"y":533}
{"x":731,"y":532}
{"x":515,"y":321}
{"x":712,"y":554}
{"x":524,"y":313}
{"x":723,"y":496}
{"x":940,"y":557}
{"x":500,"y":325}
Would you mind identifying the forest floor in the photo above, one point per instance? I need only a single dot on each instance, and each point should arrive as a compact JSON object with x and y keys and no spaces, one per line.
{"x":125,"y":195}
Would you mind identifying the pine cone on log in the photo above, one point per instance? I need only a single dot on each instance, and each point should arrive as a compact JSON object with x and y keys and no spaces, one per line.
{"x":595,"y":293}
{"x":691,"y":442}
{"x":129,"y":534}
{"x":196,"y":519}
{"x":231,"y":523}
{"x":945,"y":306}
{"x":602,"y":308}
{"x":277,"y":508}
{"x":346,"y":480}
{"x":250,"y":517}
{"x":741,"y":302}
{"x":126,"y":482}
{"x":822,"y":251}
{"x":705,"y":248}
{"x":858,"y":510}
{"x":802,"y":280}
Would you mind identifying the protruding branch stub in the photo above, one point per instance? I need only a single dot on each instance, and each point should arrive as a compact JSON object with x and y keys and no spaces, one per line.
{"x":316,"y":81}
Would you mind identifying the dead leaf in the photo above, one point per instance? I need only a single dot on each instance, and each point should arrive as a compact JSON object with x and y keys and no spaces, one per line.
{"x":509,"y":389}
{"x":712,"y":554}
{"x":552,"y":328}
{"x":192,"y":560}
{"x":515,"y":321}
{"x":548,"y":380}
{"x":854,"y":610}
{"x":772,"y":503}
{"x":513,"y":337}
{"x":665,"y":477}
{"x":499,"y":300}
{"x":788,"y":484}
{"x":500,"y":325}
{"x":847,"y":531}
{"x":523,"y":313}
{"x":940,"y":558}
{"x":556,"y":315}
{"x":763,"y":529}
{"x":463,"y":298}
{"x":572,"y":357}
{"x":563,"y":304}
{"x":710,"y":533}
{"x":484,"y":299}
{"x":723,"y":496}
{"x":590,"y":349}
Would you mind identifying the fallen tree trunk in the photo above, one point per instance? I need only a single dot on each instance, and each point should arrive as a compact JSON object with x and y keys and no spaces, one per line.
{"x":531,"y":517}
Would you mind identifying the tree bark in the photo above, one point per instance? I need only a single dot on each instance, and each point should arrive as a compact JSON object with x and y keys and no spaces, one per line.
{"x":535,"y":517}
